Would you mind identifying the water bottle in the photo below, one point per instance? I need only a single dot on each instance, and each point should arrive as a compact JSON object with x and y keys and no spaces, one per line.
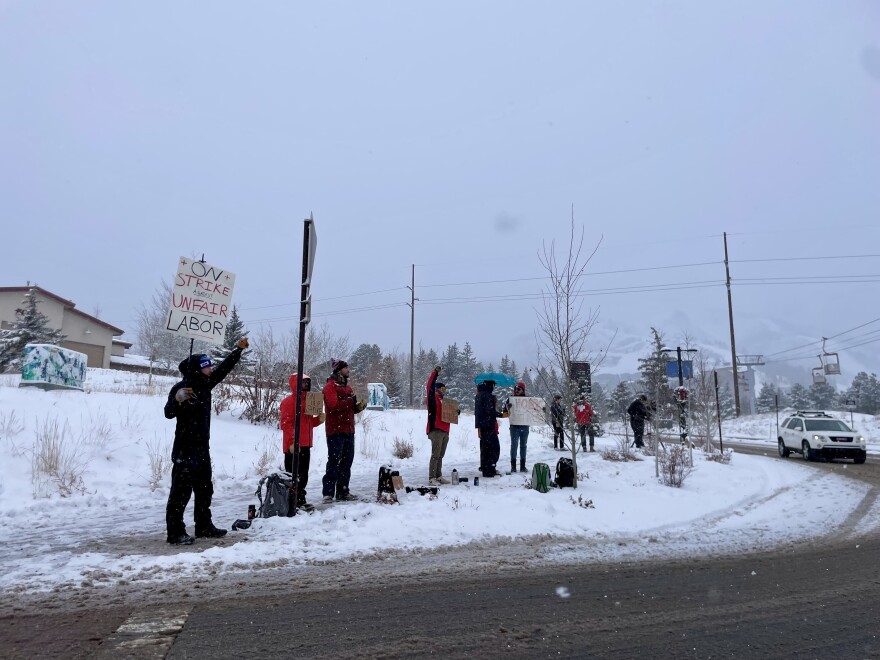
{"x":454,"y":477}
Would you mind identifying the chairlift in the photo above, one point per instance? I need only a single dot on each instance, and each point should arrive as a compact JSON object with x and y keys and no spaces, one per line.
{"x":830,"y":361}
{"x":819,"y":373}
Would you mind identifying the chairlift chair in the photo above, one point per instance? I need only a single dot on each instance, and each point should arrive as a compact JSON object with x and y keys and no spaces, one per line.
{"x":819,"y":376}
{"x":830,"y":361}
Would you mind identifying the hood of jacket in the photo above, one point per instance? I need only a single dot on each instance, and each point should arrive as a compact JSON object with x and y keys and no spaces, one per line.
{"x":294,"y":378}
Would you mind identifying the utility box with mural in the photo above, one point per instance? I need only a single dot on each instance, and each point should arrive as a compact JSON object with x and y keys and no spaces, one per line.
{"x":377,"y":397}
{"x":51,"y":367}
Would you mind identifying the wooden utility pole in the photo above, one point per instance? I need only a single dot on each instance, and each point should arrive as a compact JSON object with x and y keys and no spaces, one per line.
{"x":733,"y":365}
{"x":412,"y":334}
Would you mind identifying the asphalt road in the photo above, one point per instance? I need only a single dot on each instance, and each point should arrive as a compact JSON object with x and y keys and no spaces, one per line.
{"x":821,"y":601}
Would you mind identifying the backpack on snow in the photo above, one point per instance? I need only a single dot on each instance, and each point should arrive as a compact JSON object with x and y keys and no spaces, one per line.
{"x":564,"y":473}
{"x":276,"y":502}
{"x":540,"y":477}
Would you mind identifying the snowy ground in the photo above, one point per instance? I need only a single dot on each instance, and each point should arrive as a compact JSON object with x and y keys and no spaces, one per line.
{"x":110,"y":529}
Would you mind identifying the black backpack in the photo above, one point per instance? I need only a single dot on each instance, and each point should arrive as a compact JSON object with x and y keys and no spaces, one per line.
{"x":276,"y":501}
{"x":564,"y":473}
{"x":386,"y":480}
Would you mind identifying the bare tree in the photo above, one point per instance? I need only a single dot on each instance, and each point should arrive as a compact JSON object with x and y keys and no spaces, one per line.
{"x":564,"y":323}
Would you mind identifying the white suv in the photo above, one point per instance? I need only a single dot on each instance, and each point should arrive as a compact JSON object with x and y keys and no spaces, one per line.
{"x":814,"y":433}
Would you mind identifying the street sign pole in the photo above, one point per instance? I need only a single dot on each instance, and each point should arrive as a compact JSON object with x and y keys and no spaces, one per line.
{"x":310,"y":246}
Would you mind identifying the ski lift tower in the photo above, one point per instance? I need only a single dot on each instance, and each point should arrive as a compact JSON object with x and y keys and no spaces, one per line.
{"x":749,"y":361}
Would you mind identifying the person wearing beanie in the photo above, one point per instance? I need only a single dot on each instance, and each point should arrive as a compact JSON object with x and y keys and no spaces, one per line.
{"x":189,"y":402}
{"x":519,"y":433}
{"x":340,"y":406}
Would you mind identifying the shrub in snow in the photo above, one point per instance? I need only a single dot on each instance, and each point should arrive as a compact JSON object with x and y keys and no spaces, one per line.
{"x":402,"y":448}
{"x":159,"y":455}
{"x":10,"y":425}
{"x":722,"y":457}
{"x":675,"y":465}
{"x":581,"y":502}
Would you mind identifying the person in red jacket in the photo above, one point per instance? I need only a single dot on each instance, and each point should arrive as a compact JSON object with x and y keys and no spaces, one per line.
{"x":340,"y":405}
{"x":306,"y":433}
{"x":437,"y":429}
{"x":583,"y":414}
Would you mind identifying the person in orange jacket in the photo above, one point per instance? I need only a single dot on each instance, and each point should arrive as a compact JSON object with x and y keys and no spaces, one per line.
{"x":306,"y":435}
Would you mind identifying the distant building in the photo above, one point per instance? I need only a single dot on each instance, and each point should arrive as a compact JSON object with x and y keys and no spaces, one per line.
{"x":85,"y":333}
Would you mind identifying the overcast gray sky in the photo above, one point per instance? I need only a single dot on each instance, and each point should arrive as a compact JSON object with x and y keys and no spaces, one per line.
{"x":456,"y":136}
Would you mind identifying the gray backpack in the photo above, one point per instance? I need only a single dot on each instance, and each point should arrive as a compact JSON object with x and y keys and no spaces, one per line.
{"x":276,"y":501}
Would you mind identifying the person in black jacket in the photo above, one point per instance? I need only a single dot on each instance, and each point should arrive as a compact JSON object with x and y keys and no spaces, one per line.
{"x":485,"y":419}
{"x":557,"y":418}
{"x":639,"y":412}
{"x":189,"y":402}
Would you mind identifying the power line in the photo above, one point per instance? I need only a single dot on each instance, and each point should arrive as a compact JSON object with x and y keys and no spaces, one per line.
{"x":841,"y":256}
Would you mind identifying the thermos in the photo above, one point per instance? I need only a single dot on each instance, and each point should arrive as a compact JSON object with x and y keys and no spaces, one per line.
{"x":454,"y":477}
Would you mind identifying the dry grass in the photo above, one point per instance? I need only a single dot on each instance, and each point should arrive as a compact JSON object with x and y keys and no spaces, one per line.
{"x":267,"y":453}
{"x":159,"y":455}
{"x":723,"y":457}
{"x":10,"y":425}
{"x":57,"y":460}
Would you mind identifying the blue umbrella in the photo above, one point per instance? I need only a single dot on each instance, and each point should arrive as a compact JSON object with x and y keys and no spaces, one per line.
{"x":501,"y":380}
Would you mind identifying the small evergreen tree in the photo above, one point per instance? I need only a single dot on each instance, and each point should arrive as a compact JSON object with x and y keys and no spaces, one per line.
{"x":390,"y":375}
{"x":766,"y":401}
{"x":618,"y":402}
{"x":235,"y":330}
{"x":30,"y":326}
{"x":654,"y":382}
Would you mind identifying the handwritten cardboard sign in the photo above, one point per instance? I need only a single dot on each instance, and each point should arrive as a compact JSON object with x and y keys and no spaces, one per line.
{"x":314,"y":403}
{"x":200,"y":301}
{"x":527,"y":411}
{"x":449,"y":411}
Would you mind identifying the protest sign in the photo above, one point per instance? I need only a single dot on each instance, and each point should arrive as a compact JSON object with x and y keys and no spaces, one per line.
{"x":314,"y":403}
{"x":527,"y":411}
{"x":449,"y":411}
{"x":200,"y":301}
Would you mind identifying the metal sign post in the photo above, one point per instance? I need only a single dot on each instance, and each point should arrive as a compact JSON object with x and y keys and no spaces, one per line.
{"x":310,"y":246}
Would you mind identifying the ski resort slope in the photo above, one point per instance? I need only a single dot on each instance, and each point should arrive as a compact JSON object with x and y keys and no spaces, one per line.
{"x":108,"y":528}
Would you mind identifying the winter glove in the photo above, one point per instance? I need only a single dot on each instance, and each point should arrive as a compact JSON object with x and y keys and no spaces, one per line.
{"x":321,"y":418}
{"x":359,"y":406}
{"x":183,"y":394}
{"x":243,"y":343}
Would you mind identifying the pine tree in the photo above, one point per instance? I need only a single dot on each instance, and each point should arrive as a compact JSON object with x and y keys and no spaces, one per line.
{"x":530,"y":385}
{"x":766,"y":401}
{"x":504,"y":366}
{"x":619,"y":400}
{"x":865,"y":391}
{"x":29,"y":327}
{"x":654,"y":382}
{"x":235,"y":330}
{"x":799,"y":397}
{"x":599,"y":401}
{"x":823,"y":396}
{"x":389,"y":374}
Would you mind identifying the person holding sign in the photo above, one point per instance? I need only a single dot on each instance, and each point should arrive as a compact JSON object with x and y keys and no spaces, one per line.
{"x":307,"y":424}
{"x":341,"y":405}
{"x":189,"y":402}
{"x":437,"y":429}
{"x":519,"y":434}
